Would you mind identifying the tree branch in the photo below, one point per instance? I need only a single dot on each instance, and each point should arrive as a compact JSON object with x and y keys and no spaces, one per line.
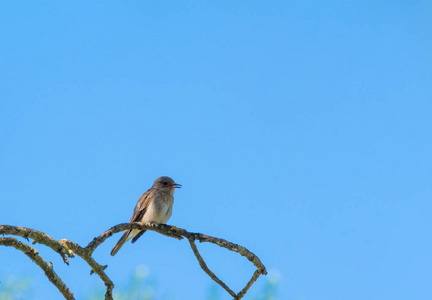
{"x":66,"y":247}
{"x":178,"y":233}
{"x":38,"y":237}
{"x":47,"y":268}
{"x":96,"y":268}
{"x":209,"y":272}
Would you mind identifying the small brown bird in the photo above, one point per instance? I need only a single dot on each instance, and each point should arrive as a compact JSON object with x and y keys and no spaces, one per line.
{"x":154,"y":206}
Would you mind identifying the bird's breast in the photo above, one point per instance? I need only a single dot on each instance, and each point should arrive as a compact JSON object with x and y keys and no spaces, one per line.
{"x":158,"y":212}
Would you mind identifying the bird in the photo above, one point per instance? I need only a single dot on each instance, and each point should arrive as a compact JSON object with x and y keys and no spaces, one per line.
{"x":154,"y":206}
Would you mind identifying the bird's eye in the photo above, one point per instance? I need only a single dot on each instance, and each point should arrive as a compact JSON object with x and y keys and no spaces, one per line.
{"x":165,"y":183}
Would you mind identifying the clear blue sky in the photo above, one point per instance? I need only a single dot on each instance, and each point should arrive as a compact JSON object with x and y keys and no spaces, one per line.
{"x":299,"y":130}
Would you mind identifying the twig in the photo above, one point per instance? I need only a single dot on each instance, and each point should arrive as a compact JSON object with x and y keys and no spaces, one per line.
{"x":249,"y":284}
{"x":96,"y":268}
{"x":203,"y":266}
{"x":32,"y":253}
{"x":233,"y":247}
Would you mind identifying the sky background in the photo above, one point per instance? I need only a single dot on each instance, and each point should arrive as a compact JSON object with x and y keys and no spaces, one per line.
{"x":300,"y":130}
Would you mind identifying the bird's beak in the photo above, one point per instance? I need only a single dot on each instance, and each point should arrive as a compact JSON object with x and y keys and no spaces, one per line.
{"x":177,"y":185}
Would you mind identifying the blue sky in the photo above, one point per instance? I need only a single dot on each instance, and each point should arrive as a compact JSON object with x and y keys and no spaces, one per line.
{"x":299,"y":130}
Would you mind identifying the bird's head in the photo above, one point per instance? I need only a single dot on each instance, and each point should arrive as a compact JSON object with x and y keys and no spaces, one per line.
{"x":166,"y":183}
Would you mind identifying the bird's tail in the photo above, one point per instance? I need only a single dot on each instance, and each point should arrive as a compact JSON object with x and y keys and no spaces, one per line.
{"x":138,"y":235}
{"x":125,"y":237}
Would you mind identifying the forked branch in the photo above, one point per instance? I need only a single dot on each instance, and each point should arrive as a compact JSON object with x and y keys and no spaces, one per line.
{"x":33,"y":254}
{"x":67,"y":248}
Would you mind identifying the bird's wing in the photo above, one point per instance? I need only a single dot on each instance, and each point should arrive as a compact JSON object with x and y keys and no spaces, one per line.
{"x":138,"y":214}
{"x":142,"y":206}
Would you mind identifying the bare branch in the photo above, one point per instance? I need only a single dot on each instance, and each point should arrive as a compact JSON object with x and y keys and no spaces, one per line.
{"x":66,"y":247}
{"x":249,"y":284}
{"x":47,"y":268}
{"x":233,"y":247}
{"x":203,"y":266}
{"x":161,"y":228}
{"x":178,"y":233}
{"x":96,"y":268}
{"x":38,"y":237}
